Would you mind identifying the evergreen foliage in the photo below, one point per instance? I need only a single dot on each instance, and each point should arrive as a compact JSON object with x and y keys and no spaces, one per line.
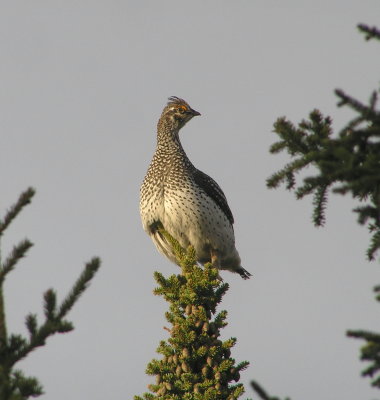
{"x":14,"y":347}
{"x":349,"y":163}
{"x":195,"y":363}
{"x":260,"y":391}
{"x":371,"y":350}
{"x":346,"y":164}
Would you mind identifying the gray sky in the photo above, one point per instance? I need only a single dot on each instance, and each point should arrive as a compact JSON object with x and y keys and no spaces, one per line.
{"x":82,"y":86}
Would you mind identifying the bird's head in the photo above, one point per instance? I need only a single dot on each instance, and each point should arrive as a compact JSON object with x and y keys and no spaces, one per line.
{"x":177,"y":112}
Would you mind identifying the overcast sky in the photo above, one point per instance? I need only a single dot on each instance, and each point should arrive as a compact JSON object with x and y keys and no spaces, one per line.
{"x":83,"y":84}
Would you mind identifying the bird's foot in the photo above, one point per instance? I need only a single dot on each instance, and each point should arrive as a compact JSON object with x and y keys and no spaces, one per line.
{"x":244,"y":273}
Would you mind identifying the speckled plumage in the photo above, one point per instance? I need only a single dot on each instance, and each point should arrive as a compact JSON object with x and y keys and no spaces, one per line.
{"x":188,"y":204}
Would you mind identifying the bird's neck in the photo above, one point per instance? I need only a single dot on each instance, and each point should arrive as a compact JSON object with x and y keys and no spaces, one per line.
{"x":168,"y":139}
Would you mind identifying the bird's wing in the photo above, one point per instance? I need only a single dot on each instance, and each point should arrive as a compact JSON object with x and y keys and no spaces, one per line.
{"x":213,"y":190}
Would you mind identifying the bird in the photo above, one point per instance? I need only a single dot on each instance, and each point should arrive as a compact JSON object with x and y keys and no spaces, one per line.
{"x":184,"y":201}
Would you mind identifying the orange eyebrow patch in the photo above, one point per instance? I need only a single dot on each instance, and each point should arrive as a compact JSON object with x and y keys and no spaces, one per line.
{"x":184,"y":108}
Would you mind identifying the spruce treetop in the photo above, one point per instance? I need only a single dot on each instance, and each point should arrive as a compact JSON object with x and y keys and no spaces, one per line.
{"x":195,"y":364}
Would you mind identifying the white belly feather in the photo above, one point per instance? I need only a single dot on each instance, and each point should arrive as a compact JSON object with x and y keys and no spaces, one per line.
{"x":191,"y":218}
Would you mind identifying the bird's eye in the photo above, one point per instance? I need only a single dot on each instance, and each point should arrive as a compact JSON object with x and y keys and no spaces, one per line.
{"x":181,"y":110}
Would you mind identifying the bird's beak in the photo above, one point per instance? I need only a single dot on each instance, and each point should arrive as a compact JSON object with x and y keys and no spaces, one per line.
{"x":194,"y":113}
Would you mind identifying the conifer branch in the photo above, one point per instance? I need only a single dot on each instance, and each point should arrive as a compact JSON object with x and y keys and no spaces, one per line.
{"x":79,"y":287}
{"x":371,"y":33}
{"x":24,"y":199}
{"x":25,"y":386}
{"x":319,"y":202}
{"x":17,"y":253}
{"x":13,"y":348}
{"x":260,"y":391}
{"x":348,"y":163}
{"x":369,"y":352}
{"x":54,"y":322}
{"x":374,"y":245}
{"x":367,"y":113}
